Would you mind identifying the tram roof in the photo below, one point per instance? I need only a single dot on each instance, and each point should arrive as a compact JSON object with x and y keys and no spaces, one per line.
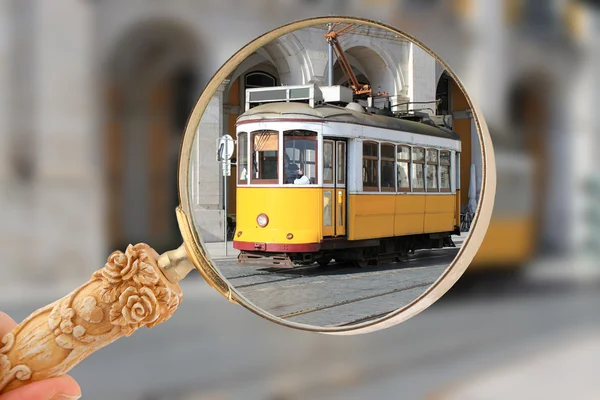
{"x":329,"y":112}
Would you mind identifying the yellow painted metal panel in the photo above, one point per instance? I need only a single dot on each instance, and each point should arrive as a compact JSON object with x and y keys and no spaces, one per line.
{"x":371,"y":216}
{"x":439,"y":213}
{"x":508,"y":243}
{"x":329,"y":207}
{"x":290,"y":210}
{"x":457,"y":208}
{"x":340,"y":217}
{"x":410,"y":214}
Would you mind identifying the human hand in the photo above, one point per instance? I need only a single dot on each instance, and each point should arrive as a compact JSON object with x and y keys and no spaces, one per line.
{"x":61,"y":388}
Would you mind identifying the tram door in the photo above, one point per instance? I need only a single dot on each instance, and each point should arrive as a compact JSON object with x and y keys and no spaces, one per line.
{"x":334,"y":188}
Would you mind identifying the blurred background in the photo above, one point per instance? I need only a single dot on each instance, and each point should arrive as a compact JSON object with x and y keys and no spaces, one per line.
{"x":75,"y":75}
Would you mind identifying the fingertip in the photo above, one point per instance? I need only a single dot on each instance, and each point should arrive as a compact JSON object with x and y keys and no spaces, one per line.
{"x":69,"y":385}
{"x":62,"y":387}
{"x":7,"y":324}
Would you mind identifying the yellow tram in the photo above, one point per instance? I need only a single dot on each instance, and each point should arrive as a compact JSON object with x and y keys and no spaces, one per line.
{"x":317,"y":182}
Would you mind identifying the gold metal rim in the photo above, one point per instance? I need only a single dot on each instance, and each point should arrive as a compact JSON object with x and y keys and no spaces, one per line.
{"x":202,"y":260}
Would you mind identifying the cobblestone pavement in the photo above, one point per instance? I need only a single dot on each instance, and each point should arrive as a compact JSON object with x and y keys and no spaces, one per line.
{"x":339,"y":294}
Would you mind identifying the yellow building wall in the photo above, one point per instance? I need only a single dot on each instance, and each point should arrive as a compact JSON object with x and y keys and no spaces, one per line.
{"x":463,"y":128}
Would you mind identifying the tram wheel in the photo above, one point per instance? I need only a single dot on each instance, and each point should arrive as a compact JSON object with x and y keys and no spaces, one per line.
{"x":361,"y":263}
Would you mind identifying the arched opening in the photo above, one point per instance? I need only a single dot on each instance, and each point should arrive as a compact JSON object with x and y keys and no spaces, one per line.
{"x":340,"y":79}
{"x":443,"y":93}
{"x":369,"y":67}
{"x":258,"y":79}
{"x":151,"y":88}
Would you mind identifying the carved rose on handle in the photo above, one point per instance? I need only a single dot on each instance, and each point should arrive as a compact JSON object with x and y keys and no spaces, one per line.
{"x":136,"y":307}
{"x":135,"y":290}
{"x":132,"y":295}
{"x":135,"y":264}
{"x":128,"y":293}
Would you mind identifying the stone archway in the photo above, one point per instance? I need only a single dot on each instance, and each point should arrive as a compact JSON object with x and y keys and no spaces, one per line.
{"x":379,"y":65}
{"x":151,"y":88}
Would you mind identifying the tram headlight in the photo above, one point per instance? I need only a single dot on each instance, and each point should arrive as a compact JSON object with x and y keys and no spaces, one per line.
{"x":262,"y":220}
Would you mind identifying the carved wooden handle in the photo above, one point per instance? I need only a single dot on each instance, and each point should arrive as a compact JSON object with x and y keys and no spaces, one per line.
{"x":128,"y":293}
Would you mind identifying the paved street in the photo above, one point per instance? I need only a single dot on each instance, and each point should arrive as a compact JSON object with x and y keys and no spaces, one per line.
{"x":212,"y":349}
{"x":339,"y":294}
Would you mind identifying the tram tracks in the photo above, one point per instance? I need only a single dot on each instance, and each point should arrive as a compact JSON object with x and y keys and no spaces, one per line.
{"x":318,"y":271}
{"x":355,"y":300}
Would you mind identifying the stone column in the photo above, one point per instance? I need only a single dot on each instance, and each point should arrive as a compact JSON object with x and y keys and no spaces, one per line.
{"x":207,"y":179}
{"x":421,"y":82}
{"x":66,"y":218}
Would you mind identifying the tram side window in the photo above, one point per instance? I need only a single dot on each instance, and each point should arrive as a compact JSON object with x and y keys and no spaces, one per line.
{"x":300,"y":157}
{"x":418,"y":172}
{"x":370,"y":166}
{"x":265,"y":151}
{"x":445,"y":171}
{"x":341,"y":163}
{"x":327,"y":161}
{"x":243,"y":157}
{"x":403,"y":163}
{"x":432,"y":170}
{"x":387,"y":168}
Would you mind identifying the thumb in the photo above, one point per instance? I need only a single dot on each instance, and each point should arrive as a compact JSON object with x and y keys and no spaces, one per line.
{"x":61,"y":388}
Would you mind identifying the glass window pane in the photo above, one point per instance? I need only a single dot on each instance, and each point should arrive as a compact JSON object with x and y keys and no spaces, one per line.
{"x":432,"y":178}
{"x":387,"y":151}
{"x":243,"y":156}
{"x":445,"y":177}
{"x":418,"y":176}
{"x":432,"y":156}
{"x":418,"y":154}
{"x":370,"y":149}
{"x":387,"y":174}
{"x":403,"y":175}
{"x":340,"y":212}
{"x":370,"y":176}
{"x":403,"y":153}
{"x":265,"y":149}
{"x":327,"y":162}
{"x":341,"y":163}
{"x":444,"y":157}
{"x":327,"y":204}
{"x":300,"y":157}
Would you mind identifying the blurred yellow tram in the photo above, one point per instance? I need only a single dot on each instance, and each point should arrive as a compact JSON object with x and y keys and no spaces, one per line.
{"x":317,"y":182}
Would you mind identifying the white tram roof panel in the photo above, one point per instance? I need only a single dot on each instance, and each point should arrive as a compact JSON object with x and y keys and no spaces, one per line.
{"x":331,"y":113}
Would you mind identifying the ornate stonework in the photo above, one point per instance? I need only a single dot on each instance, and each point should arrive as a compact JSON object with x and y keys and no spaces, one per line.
{"x":128,"y":293}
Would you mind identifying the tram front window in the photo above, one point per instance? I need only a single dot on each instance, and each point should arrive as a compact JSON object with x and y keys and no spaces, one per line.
{"x":300,"y":157}
{"x":265,"y":150}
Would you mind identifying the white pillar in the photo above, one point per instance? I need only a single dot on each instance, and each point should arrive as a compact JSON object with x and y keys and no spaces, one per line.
{"x":422,"y":84}
{"x":207,"y":185}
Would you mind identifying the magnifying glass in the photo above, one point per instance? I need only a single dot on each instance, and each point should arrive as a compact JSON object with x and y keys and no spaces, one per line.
{"x":349,"y":189}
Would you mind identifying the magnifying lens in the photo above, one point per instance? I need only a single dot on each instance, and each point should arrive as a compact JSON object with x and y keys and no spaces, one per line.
{"x":347,"y":184}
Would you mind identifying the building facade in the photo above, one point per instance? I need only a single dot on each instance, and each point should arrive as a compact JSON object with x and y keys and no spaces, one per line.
{"x":95,"y":96}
